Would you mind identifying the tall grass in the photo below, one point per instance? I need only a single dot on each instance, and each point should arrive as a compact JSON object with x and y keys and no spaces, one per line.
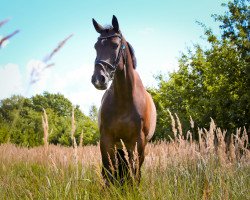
{"x":180,"y":169}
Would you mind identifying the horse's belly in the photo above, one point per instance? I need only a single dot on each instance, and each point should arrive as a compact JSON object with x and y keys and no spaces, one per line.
{"x":151,"y":118}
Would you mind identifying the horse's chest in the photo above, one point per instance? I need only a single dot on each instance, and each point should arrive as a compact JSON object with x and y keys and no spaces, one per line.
{"x":122,"y":126}
{"x":125,"y":121}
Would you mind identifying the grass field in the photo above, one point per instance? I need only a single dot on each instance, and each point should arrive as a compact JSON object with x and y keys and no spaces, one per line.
{"x":180,"y":169}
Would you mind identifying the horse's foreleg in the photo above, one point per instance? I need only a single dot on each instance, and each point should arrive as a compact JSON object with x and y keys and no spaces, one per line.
{"x":139,"y":155}
{"x":108,"y":157}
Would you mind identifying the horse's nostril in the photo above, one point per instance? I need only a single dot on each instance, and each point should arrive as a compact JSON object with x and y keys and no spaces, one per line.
{"x":102,"y":79}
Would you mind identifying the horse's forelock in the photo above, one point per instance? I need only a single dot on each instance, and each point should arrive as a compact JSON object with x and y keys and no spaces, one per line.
{"x":108,"y":27}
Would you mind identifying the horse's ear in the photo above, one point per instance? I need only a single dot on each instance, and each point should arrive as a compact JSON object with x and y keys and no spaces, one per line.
{"x":115,"y":24}
{"x":97,"y":26}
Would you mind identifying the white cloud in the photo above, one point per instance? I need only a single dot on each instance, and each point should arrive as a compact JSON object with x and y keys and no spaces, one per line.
{"x":146,"y":31}
{"x":74,"y":84}
{"x":86,"y":98}
{"x":10,"y":81}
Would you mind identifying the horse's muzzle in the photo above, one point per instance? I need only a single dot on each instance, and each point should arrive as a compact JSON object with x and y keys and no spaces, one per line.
{"x":100,"y":82}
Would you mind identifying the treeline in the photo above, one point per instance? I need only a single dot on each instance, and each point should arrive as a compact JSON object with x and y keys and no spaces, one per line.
{"x":21,"y":120}
{"x":211,"y":82}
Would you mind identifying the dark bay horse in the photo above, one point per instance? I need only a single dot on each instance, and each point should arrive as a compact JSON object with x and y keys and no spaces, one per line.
{"x":127,"y":116}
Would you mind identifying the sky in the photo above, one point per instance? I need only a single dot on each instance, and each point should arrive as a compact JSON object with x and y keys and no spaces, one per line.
{"x":158,"y":31}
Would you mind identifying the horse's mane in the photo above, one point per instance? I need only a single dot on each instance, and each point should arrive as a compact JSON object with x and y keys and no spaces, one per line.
{"x":132,"y":53}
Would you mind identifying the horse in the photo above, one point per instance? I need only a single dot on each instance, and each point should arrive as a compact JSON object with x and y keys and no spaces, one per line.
{"x":127,"y":115}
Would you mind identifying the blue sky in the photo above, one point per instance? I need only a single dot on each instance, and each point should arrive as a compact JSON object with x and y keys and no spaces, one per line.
{"x":158,"y":31}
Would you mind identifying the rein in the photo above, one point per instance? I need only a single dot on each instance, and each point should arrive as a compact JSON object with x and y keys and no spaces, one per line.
{"x":113,"y":66}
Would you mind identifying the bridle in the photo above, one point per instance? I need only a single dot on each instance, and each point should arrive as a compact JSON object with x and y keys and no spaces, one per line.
{"x":113,"y":66}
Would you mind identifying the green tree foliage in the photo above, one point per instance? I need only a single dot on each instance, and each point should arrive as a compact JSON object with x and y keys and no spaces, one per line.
{"x":211,"y":82}
{"x":93,"y":113}
{"x":21,"y":120}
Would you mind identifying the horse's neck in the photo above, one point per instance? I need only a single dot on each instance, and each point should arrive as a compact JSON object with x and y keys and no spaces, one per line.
{"x":124,"y":84}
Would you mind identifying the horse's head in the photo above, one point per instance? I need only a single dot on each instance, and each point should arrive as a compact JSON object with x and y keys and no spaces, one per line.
{"x":109,"y":49}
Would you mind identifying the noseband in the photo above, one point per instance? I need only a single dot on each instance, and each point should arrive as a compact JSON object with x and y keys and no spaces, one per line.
{"x":113,"y":66}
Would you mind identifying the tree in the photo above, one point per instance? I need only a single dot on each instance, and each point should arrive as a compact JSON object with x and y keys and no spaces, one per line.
{"x":21,"y":122}
{"x":93,"y":113}
{"x":211,"y":82}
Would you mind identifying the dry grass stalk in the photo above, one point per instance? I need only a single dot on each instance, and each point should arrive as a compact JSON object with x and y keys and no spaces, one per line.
{"x":136,"y":162}
{"x":238,"y":143}
{"x":75,"y":156}
{"x":190,"y":137}
{"x":179,"y":127}
{"x":173,"y":125}
{"x":245,"y":138}
{"x":171,"y":139}
{"x":8,"y":37}
{"x":116,"y":159}
{"x":201,"y":141}
{"x":208,"y":141}
{"x":127,"y":158}
{"x":111,"y":165}
{"x":75,"y":153}
{"x":38,"y":70}
{"x":4,"y":39}
{"x":232,"y":155}
{"x":241,"y":144}
{"x":221,"y":149}
{"x":54,"y":166}
{"x":4,"y":22}
{"x":73,"y":126}
{"x":208,"y":137}
{"x":81,"y":140}
{"x":45,"y":129}
{"x":58,"y":47}
{"x":211,"y":132}
{"x":191,"y":122}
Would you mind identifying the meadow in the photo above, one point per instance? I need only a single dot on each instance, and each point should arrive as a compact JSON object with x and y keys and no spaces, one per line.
{"x":210,"y":82}
{"x":179,"y":169}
